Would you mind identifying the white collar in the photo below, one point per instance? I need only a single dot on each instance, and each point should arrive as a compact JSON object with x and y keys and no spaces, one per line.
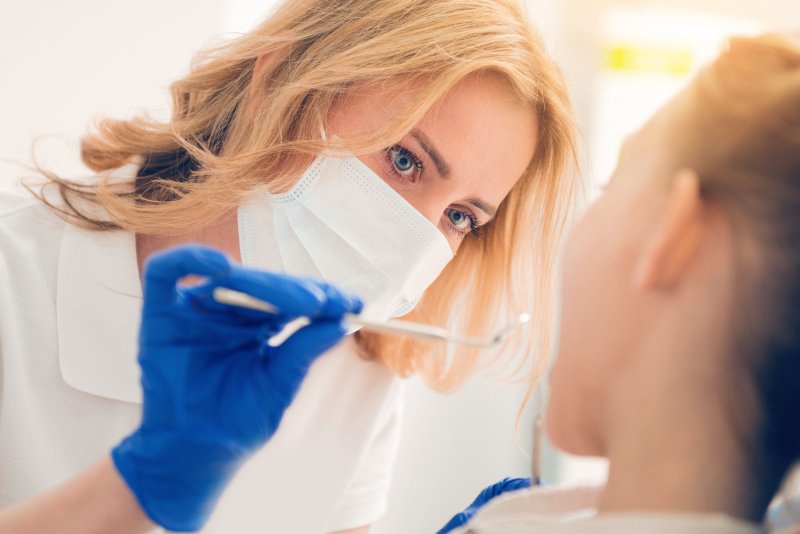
{"x":98,"y":305}
{"x":572,"y":509}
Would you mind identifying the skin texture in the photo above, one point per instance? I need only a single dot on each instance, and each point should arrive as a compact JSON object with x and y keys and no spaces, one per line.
{"x":642,"y":370}
{"x":483,"y":136}
{"x":95,"y":502}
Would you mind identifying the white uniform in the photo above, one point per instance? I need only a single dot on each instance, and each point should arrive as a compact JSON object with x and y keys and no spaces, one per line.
{"x":69,"y":314}
{"x":544,"y":510}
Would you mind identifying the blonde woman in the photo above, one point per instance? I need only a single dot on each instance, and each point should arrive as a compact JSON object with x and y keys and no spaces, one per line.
{"x":414,"y":152}
{"x":679,"y":353}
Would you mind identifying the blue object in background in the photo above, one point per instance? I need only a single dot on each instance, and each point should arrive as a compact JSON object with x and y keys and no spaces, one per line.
{"x":504,"y":486}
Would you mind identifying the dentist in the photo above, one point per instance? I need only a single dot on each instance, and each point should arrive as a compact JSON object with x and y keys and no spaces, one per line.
{"x":415,"y":153}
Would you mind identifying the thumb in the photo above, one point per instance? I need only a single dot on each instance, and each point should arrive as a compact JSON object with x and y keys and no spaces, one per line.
{"x":164,"y":269}
{"x":288,"y":363}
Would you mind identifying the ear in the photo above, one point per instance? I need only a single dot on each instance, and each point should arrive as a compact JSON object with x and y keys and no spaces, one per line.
{"x":668,"y":253}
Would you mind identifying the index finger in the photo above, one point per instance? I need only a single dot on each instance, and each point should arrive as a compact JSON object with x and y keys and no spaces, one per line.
{"x":293,"y":296}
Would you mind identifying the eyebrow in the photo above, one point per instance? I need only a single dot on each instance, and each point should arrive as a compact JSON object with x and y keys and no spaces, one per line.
{"x":488,"y":209}
{"x":427,"y":146}
{"x":444,"y":170}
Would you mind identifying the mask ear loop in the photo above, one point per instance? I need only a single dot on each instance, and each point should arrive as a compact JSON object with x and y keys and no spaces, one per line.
{"x":326,"y":151}
{"x":329,"y":151}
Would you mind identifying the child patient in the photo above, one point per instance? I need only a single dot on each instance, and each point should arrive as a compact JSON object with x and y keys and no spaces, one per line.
{"x":679,"y":356}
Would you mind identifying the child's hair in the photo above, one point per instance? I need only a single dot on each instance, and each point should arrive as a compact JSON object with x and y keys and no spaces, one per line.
{"x":743,"y":139}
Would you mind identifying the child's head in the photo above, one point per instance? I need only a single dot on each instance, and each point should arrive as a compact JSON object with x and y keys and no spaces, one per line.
{"x":681,"y":285}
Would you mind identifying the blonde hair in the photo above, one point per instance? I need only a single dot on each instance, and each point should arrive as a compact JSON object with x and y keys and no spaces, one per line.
{"x":250,"y":113}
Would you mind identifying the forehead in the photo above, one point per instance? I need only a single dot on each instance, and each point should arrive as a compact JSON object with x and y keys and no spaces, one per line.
{"x":483,"y":128}
{"x":486,"y":134}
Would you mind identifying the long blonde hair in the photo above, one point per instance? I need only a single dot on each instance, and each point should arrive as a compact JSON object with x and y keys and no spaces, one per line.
{"x":250,"y":113}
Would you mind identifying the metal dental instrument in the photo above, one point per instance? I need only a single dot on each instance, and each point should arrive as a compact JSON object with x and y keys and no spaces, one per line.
{"x":390,"y":326}
{"x":538,"y":435}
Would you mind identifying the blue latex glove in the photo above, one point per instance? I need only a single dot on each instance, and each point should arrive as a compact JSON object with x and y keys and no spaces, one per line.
{"x":214,"y":391}
{"x":504,"y":486}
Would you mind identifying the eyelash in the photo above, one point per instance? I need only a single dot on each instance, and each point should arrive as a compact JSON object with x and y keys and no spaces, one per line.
{"x":475,"y":229}
{"x":414,"y":159}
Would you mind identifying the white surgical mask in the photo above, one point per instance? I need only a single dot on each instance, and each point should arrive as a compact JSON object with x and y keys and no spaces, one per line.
{"x":342,"y":223}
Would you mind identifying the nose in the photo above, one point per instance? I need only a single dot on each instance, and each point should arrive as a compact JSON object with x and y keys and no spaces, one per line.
{"x":433,"y":205}
{"x":431,"y":209}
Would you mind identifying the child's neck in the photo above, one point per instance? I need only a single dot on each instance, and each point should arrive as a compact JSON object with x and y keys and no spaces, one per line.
{"x":674,"y":450}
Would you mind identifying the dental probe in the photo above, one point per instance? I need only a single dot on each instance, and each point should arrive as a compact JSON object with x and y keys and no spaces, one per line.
{"x":390,"y":326}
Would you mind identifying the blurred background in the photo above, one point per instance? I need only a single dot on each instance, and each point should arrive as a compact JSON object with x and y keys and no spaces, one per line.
{"x":62,"y":63}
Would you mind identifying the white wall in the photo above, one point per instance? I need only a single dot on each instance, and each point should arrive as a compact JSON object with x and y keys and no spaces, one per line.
{"x":62,"y":63}
{"x":453,"y":447}
{"x":577,"y":33}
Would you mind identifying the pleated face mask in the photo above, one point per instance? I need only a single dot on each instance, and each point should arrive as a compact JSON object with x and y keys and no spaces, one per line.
{"x":342,"y":223}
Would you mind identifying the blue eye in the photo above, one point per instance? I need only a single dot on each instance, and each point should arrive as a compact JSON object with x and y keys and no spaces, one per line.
{"x":460,"y":220}
{"x":405,"y":163}
{"x":402,"y":161}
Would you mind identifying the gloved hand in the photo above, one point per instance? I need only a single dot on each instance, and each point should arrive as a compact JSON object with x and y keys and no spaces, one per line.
{"x":504,"y":486}
{"x":214,"y":390}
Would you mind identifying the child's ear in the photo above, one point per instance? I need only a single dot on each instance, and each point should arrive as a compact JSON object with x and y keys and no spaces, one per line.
{"x":670,"y":248}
